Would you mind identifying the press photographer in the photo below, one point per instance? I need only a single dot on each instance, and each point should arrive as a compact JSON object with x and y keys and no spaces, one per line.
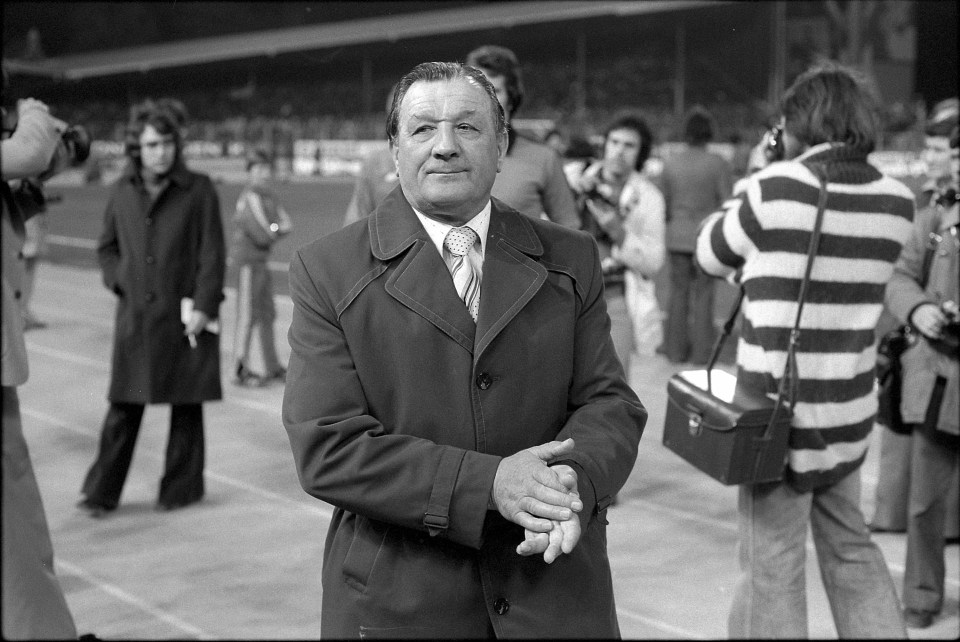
{"x":36,"y":148}
{"x":924,"y":294}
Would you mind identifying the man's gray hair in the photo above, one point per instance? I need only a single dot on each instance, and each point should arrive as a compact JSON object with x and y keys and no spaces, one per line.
{"x":439,"y":71}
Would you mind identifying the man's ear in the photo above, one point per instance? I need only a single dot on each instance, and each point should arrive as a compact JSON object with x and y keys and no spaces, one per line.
{"x":395,"y":152}
{"x":503,"y":142}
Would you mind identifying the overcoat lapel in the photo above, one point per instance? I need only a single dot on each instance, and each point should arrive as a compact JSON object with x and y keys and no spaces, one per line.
{"x":421,"y":281}
{"x":511,"y":277}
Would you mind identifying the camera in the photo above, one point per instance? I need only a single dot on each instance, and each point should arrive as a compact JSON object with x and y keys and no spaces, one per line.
{"x":774,"y":151}
{"x":600,"y":192}
{"x":949,"y":341}
{"x":73,"y":151}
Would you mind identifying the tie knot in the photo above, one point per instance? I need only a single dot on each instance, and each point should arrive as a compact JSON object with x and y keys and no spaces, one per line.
{"x":459,"y":240}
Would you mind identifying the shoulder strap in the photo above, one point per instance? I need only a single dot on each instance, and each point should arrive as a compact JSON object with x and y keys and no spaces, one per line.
{"x":789,"y":375}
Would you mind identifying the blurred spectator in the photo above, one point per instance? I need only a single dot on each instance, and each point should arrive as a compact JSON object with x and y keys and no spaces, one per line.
{"x":760,"y":238}
{"x":931,"y":370}
{"x":531,"y":179}
{"x":624,"y":212}
{"x":260,"y":221}
{"x":162,"y":253}
{"x":33,"y":604}
{"x":378,"y":177}
{"x":695,"y":183}
{"x":281,"y":142}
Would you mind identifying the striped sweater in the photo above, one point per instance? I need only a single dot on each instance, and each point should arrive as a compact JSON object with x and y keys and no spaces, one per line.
{"x":761,"y":238}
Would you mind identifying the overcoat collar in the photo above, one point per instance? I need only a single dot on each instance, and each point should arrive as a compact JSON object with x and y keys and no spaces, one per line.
{"x":512,"y":273}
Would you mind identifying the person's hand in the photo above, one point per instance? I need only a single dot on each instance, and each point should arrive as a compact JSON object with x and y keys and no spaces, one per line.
{"x":608,"y":218}
{"x":758,"y":157}
{"x":564,"y":535}
{"x":26,"y":104}
{"x":529,"y":493}
{"x":198,"y":321}
{"x":929,"y":319}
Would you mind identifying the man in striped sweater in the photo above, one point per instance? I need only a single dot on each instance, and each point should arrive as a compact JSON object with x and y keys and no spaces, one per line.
{"x":760,"y":239}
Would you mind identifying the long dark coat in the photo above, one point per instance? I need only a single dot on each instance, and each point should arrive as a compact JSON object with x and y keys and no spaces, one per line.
{"x":152,"y":255}
{"x":399,"y":409}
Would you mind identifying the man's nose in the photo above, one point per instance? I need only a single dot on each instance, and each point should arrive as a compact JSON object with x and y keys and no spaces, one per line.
{"x":446,"y":144}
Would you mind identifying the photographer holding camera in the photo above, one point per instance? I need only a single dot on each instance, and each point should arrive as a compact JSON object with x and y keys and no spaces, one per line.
{"x":929,"y":400}
{"x":33,"y":603}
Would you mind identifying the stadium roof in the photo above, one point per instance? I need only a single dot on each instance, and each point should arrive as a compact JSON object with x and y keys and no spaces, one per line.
{"x":335,"y":34}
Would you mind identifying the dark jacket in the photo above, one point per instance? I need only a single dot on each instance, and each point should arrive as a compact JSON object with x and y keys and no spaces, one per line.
{"x":399,"y":409}
{"x":152,"y":256}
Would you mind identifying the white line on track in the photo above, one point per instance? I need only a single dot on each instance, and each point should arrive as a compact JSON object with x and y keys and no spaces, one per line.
{"x":91,"y":244}
{"x":66,"y":568}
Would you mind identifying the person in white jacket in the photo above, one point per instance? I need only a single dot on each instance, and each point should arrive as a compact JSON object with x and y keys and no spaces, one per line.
{"x":625,"y":213}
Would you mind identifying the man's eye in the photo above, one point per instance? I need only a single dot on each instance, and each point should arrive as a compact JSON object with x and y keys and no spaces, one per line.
{"x":421,"y":129}
{"x":466,"y":127}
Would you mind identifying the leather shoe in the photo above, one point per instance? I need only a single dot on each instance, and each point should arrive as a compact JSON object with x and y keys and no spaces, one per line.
{"x":93,"y":509}
{"x":166,"y":508}
{"x":917,"y":619}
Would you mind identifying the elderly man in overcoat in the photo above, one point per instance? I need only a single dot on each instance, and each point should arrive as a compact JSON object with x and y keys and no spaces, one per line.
{"x":470,"y":448}
{"x":162,"y":242}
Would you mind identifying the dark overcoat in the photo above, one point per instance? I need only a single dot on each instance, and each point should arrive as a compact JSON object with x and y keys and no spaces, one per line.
{"x":399,"y":409}
{"x":152,"y":255}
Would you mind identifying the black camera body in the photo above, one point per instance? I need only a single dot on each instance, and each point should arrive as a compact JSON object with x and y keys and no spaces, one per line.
{"x":949,"y":341}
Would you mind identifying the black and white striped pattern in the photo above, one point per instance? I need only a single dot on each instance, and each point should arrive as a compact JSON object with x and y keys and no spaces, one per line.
{"x":761,"y":238}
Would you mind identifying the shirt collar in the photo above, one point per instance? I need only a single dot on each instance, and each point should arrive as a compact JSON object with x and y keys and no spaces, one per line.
{"x":438,"y":231}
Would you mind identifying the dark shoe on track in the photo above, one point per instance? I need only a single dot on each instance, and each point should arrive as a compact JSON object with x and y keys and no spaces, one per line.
{"x":93,"y":509}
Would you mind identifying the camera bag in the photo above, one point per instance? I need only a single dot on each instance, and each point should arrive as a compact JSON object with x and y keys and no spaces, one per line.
{"x":735,"y":435}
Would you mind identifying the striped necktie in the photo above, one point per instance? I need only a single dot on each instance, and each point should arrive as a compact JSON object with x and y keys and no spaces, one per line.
{"x":464,"y":264}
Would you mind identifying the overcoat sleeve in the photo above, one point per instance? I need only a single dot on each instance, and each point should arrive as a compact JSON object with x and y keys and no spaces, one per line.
{"x":607,"y":419}
{"x":346,"y":456}
{"x":904,"y":293}
{"x":108,"y":248}
{"x":211,"y":253}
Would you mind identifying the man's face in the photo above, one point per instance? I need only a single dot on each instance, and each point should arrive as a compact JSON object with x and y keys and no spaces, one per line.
{"x":447,"y":149}
{"x":620,"y":151}
{"x":500,"y":87}
{"x":937,"y":155}
{"x":157,"y":152}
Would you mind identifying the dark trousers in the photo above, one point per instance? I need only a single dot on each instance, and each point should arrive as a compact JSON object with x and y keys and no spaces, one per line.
{"x":182,"y":481}
{"x":935,"y":458}
{"x":689,"y":333}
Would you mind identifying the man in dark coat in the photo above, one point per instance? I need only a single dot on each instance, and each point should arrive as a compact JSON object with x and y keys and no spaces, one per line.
{"x":162,"y":253}
{"x":470,"y":449}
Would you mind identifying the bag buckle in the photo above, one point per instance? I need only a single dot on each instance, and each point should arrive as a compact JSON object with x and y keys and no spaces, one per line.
{"x":695,"y":425}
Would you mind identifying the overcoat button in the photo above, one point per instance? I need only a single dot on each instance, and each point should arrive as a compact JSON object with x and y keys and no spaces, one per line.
{"x":150,"y":297}
{"x":484,"y":380}
{"x":16,"y":294}
{"x":149,"y":221}
{"x":150,"y":260}
{"x":501,"y":606}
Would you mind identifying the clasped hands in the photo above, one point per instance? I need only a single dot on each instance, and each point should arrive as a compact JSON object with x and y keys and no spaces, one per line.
{"x":541,"y":498}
